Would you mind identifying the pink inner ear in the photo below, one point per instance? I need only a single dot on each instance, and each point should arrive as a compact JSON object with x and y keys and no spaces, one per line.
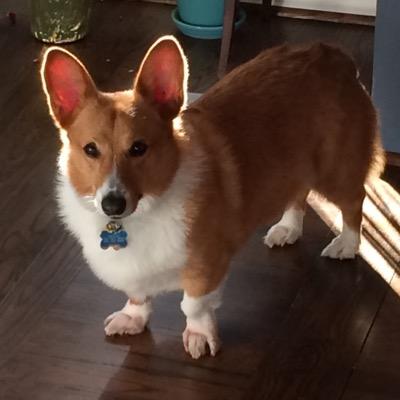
{"x":166,"y":74}
{"x":65,"y":81}
{"x":164,"y":93}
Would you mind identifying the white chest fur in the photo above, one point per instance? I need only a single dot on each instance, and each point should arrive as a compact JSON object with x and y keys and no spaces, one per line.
{"x":156,"y":250}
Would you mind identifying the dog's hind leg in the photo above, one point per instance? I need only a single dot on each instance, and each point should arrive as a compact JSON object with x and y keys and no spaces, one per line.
{"x":346,"y":245}
{"x":290,"y":226}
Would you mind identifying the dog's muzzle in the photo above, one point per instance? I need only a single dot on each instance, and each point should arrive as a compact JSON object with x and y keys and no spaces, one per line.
{"x":113,"y":204}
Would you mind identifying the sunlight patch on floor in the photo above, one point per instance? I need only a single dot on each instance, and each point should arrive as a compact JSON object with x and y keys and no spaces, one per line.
{"x":380,"y":241}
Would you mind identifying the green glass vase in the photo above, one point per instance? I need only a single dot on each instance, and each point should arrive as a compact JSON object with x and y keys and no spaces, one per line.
{"x":60,"y":21}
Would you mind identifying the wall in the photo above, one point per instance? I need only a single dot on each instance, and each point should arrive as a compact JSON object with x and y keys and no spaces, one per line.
{"x":386,"y":76}
{"x":362,"y":7}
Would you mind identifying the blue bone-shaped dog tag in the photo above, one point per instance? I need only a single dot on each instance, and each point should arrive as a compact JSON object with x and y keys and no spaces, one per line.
{"x":113,"y":236}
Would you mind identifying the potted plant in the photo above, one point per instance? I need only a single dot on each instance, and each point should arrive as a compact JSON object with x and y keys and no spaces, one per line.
{"x":60,"y":21}
{"x":203,"y":19}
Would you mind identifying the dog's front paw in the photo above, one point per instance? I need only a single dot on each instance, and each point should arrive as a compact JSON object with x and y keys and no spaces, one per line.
{"x":131,"y":320}
{"x":279,"y":235}
{"x":200,"y":335}
{"x":119,"y":323}
{"x":196,"y":344}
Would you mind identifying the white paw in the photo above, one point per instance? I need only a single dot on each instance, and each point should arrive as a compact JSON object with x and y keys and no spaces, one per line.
{"x":196,"y":344}
{"x":119,"y":323}
{"x":279,"y":235}
{"x":131,"y":320}
{"x":200,"y":334}
{"x":341,"y":248}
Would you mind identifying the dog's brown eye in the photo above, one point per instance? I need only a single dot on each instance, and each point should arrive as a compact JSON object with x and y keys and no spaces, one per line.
{"x":138,"y":148}
{"x":91,"y":150}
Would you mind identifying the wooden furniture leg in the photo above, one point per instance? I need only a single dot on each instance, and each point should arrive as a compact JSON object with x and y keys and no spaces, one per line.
{"x":267,"y":9}
{"x":229,"y":15}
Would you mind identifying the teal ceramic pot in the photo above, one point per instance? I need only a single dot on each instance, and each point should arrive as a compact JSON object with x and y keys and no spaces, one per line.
{"x":204,"y":32}
{"x":201,"y":12}
{"x":60,"y":21}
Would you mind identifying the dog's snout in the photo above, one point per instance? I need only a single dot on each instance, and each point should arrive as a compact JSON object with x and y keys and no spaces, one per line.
{"x":113,"y":204}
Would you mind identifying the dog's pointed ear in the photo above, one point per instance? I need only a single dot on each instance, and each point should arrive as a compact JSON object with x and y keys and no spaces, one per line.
{"x":67,"y":85}
{"x":162,"y":77}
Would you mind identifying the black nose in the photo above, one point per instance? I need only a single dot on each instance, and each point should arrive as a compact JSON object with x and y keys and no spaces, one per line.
{"x":113,"y":204}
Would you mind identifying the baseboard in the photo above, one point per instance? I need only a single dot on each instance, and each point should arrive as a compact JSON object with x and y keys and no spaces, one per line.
{"x":325,"y":16}
{"x":332,"y":11}
{"x":358,"y":7}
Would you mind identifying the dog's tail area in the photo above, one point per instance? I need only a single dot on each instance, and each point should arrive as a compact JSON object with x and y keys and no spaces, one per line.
{"x":378,"y":160}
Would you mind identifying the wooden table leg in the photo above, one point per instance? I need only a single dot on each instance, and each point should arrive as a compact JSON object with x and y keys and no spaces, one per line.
{"x":229,"y":15}
{"x":267,"y":9}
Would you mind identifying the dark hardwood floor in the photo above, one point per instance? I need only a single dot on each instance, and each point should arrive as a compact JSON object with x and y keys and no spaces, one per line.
{"x":294,"y":325}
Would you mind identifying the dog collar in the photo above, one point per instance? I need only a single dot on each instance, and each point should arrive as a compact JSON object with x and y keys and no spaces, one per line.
{"x":113,"y":235}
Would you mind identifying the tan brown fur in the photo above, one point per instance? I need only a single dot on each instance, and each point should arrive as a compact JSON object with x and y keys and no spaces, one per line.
{"x":110,"y":125}
{"x":290,"y":120}
{"x":113,"y":121}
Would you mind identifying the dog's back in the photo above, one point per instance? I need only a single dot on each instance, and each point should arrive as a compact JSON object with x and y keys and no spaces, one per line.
{"x":294,"y":120}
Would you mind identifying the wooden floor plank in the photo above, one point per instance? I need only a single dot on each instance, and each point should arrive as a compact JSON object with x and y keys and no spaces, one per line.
{"x":376,"y":374}
{"x":45,"y":279}
{"x":323,"y":334}
{"x":293,"y":325}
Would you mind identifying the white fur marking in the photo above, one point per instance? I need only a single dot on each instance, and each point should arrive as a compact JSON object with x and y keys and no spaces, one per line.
{"x":195,"y":306}
{"x":201,"y":325}
{"x":344,"y":246}
{"x":156,"y":251}
{"x":287,"y":230}
{"x":112,"y":184}
{"x":131,"y":320}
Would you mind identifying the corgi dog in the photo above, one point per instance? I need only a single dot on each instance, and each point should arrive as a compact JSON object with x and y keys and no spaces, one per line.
{"x":187,"y":185}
